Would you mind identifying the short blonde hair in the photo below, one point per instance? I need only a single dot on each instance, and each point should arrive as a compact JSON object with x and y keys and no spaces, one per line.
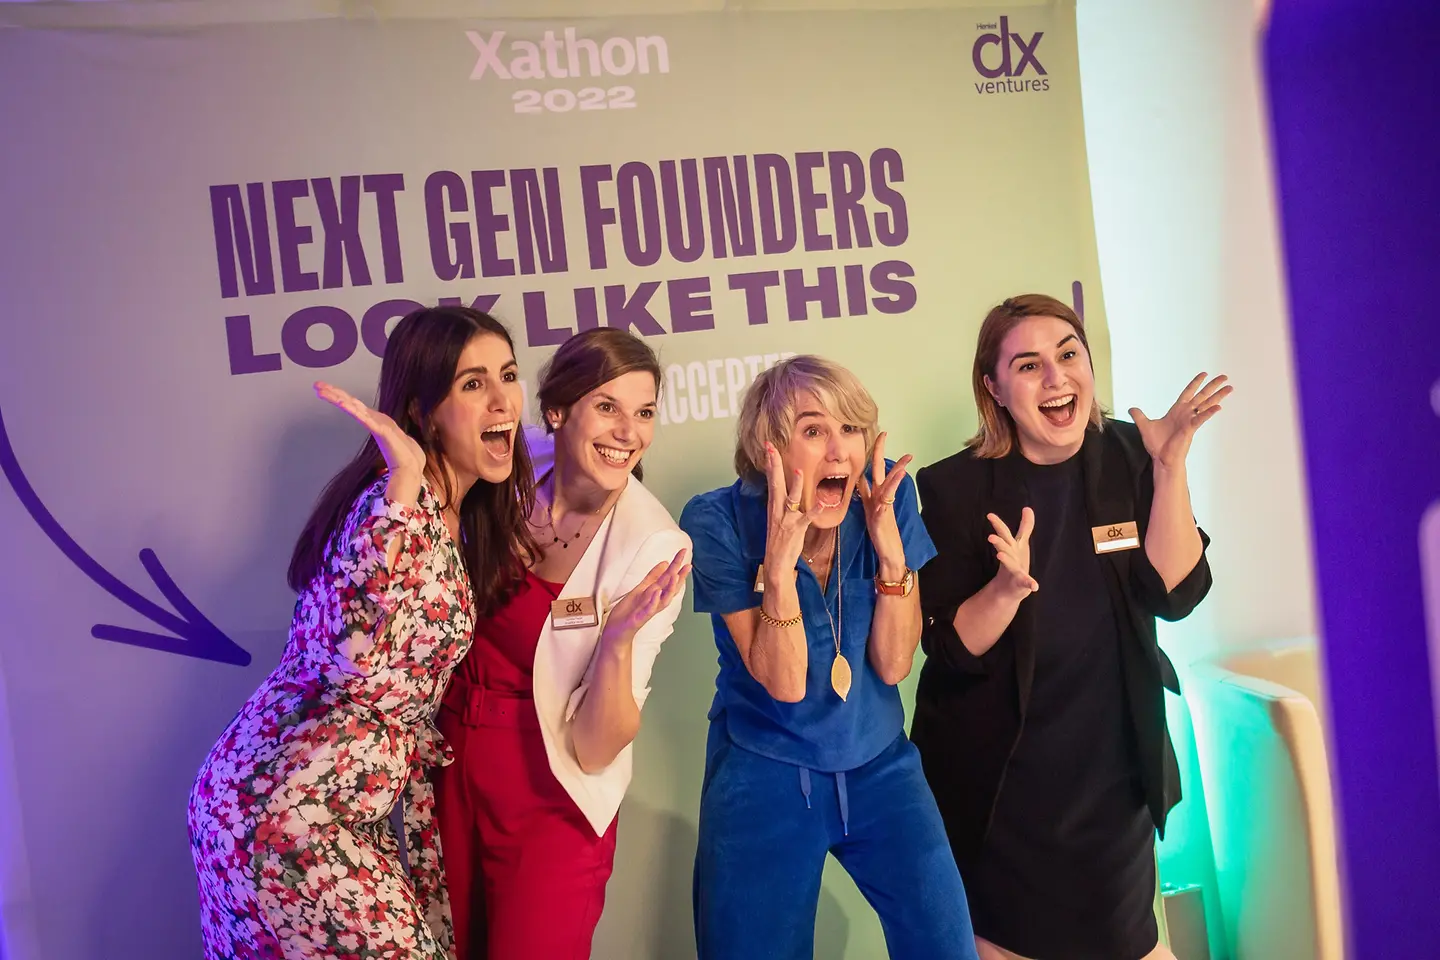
{"x":996,"y":436}
{"x":767,"y":414}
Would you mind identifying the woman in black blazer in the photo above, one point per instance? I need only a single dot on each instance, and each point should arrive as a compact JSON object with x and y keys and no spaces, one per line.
{"x":1040,"y":713}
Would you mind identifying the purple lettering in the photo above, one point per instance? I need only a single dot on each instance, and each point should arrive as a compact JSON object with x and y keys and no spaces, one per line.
{"x":489,"y":224}
{"x":295,"y":336}
{"x":690,"y":305}
{"x":291,"y":237}
{"x":375,"y":325}
{"x":893,"y":228}
{"x":798,"y":296}
{"x":885,"y":278}
{"x":755,"y":285}
{"x":776,"y":196}
{"x":684,"y":234}
{"x":977,"y":52}
{"x":385,"y":186}
{"x":451,"y":252}
{"x":249,"y":239}
{"x":621,"y":312}
{"x":730,"y":206}
{"x":340,"y":222}
{"x":811,"y":203}
{"x":587,"y":309}
{"x":538,"y":332}
{"x":847,"y":185}
{"x":597,"y":216}
{"x":639,"y":213}
{"x":241,"y":345}
{"x":1027,"y":53}
{"x":539,"y":220}
{"x":855,"y":291}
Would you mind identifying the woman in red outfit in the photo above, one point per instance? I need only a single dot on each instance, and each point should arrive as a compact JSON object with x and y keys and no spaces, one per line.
{"x":543,"y":710}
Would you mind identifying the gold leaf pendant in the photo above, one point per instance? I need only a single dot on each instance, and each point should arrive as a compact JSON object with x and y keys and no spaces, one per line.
{"x":840,"y":676}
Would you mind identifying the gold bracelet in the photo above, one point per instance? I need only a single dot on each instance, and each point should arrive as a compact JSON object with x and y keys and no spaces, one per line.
{"x":794,"y":621}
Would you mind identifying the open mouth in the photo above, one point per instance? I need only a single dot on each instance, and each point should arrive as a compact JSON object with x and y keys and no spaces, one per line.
{"x":830,"y":491}
{"x":1060,"y":411}
{"x":498,"y":439}
{"x":614,"y":456}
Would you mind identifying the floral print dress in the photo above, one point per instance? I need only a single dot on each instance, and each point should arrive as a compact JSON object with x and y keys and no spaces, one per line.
{"x":288,"y":817}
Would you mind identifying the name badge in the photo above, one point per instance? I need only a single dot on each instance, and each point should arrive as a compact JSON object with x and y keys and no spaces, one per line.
{"x":1111,"y":537}
{"x":568,"y":613}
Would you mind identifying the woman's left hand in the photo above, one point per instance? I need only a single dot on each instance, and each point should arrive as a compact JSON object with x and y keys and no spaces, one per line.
{"x":649,"y":597}
{"x":880,"y":509}
{"x":1167,"y":440}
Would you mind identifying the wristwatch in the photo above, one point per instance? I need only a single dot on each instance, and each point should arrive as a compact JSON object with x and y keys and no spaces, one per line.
{"x":899,"y":588}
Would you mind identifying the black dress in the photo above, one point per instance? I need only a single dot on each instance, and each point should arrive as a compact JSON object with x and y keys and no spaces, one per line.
{"x":1066,"y":870}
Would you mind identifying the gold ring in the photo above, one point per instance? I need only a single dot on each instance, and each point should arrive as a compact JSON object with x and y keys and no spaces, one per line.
{"x":792,"y":505}
{"x":888,"y":500}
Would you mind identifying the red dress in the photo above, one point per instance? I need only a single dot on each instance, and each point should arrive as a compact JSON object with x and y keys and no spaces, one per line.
{"x":525,"y":871}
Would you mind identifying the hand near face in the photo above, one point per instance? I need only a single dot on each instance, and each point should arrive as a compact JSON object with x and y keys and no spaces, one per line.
{"x":1168,"y":439}
{"x":787,"y":521}
{"x":402,"y":453}
{"x":880,"y":506}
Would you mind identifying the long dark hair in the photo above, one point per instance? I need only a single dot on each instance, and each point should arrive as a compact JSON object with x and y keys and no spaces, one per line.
{"x":588,"y":360}
{"x":415,"y":377}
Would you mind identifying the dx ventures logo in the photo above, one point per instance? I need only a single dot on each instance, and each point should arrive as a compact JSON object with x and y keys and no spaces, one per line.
{"x":1004,"y":57}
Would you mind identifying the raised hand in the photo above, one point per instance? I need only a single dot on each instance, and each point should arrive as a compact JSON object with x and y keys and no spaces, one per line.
{"x":647,"y":598}
{"x":785,"y":530}
{"x":879,"y":503}
{"x":1167,"y":440}
{"x":402,"y":453}
{"x":1013,"y":552}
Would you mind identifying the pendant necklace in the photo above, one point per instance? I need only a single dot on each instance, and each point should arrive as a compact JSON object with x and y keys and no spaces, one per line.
{"x":840,"y":676}
{"x":550,"y":515}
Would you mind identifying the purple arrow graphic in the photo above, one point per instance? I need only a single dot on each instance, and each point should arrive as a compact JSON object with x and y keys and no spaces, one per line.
{"x":191,"y":633}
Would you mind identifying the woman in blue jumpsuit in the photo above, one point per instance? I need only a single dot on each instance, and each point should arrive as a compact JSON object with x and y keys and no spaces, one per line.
{"x":806,"y":566}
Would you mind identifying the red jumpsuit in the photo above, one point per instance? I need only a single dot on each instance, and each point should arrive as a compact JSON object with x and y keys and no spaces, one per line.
{"x":526,"y":872}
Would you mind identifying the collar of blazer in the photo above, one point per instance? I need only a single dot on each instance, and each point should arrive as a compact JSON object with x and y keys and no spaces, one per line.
{"x":562,"y":656}
{"x":1110,"y":497}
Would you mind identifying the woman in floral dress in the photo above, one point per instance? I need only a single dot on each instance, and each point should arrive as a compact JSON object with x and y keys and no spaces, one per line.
{"x":419,"y":534}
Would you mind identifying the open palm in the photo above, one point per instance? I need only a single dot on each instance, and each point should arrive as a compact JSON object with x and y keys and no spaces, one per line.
{"x":1168,"y":439}
{"x":402,"y":453}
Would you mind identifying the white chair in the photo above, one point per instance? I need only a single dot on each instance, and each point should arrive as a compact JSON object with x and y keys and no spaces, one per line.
{"x":1260,"y":738}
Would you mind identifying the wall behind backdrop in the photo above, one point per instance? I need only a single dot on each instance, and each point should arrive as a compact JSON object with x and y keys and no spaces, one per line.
{"x":204,"y":218}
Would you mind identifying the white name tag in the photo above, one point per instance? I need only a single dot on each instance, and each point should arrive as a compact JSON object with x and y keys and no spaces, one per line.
{"x":568,"y":613}
{"x":1111,"y":537}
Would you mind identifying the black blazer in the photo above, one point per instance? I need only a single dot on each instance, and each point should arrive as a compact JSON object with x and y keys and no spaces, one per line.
{"x":970,"y":711}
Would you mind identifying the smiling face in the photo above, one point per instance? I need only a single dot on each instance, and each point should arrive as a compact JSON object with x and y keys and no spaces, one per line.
{"x":477,"y":420}
{"x":829,"y":453}
{"x":604,"y":434}
{"x":1044,"y":379}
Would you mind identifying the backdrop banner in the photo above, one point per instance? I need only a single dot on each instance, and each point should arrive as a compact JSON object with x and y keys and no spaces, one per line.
{"x":203,"y":219}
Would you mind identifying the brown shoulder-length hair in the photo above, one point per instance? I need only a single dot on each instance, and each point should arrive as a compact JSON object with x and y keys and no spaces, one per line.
{"x":996,"y":436}
{"x":416,"y":374}
{"x":588,"y":360}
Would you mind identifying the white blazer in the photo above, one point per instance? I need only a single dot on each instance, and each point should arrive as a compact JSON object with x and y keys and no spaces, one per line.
{"x":637,"y":534}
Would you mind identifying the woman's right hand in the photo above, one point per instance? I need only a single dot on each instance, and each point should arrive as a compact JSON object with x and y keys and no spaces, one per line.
{"x":1013,"y":552}
{"x":403,"y":454}
{"x":785,"y":531}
